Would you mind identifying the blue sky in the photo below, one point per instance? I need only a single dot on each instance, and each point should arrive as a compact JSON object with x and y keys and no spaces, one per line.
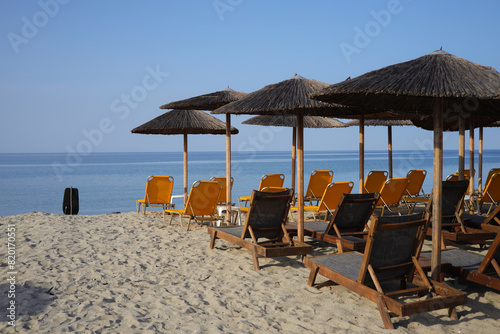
{"x":79,"y":75}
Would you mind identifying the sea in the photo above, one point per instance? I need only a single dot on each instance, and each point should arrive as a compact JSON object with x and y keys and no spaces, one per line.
{"x":112,"y":182}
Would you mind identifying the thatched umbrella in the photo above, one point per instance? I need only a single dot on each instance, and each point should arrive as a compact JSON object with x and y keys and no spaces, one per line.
{"x":289,"y":97}
{"x":427,"y":85}
{"x":291,"y":121}
{"x":184,"y":122}
{"x":212,"y":101}
{"x":384,"y":122}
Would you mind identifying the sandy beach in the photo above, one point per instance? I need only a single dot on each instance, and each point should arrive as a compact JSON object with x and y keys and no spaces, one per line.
{"x":130,"y":273}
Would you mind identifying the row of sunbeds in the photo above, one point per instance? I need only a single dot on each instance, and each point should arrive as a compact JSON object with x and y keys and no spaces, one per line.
{"x":373,"y":250}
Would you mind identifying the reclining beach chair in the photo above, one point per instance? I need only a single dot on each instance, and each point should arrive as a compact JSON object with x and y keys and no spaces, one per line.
{"x":268,"y":180}
{"x":374,"y":181}
{"x":158,"y":193}
{"x":347,"y":226}
{"x":491,"y":193}
{"x":474,"y":267}
{"x":414,"y":193}
{"x":201,"y":204}
{"x":263,"y":232}
{"x":454,"y":229}
{"x":318,"y":182}
{"x":329,"y":201}
{"x":391,"y":195}
{"x":391,"y":256}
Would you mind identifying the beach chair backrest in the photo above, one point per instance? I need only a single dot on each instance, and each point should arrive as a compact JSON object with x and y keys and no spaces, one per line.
{"x":493,"y":253}
{"x":393,"y":190}
{"x":274,"y":189}
{"x":453,"y":193}
{"x":332,"y":195}
{"x":202,"y":199}
{"x":271,"y":180}
{"x":374,"y":181}
{"x":392,"y":242}
{"x":492,"y":189}
{"x":223,"y":194}
{"x":317,"y":183}
{"x":159,"y":189}
{"x":490,"y":174}
{"x":267,"y":214}
{"x":454,"y":177}
{"x":353,"y":213}
{"x":416,"y":177}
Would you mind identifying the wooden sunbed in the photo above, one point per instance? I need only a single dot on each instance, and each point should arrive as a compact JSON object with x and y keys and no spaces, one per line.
{"x":389,"y":270}
{"x":264,"y":232}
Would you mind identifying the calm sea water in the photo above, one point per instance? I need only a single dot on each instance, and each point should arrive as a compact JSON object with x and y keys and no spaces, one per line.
{"x":111,"y":182}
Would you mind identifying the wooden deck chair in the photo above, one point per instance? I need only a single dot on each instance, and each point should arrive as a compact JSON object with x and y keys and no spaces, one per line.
{"x":244,"y":209}
{"x":454,"y":230}
{"x":268,"y":180}
{"x":347,"y":226}
{"x":158,"y":193}
{"x":414,"y":192}
{"x":318,"y":181}
{"x":264,"y":232}
{"x":329,"y":201}
{"x":201,"y":204}
{"x":374,"y":181}
{"x":474,"y":267}
{"x":391,"y":195}
{"x":388,"y":270}
{"x":491,"y":193}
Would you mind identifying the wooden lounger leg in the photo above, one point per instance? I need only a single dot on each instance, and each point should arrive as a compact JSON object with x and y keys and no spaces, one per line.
{"x":312,"y":275}
{"x":213,"y":236}
{"x":452,"y":313}
{"x":386,"y":318}
{"x":255,"y":259}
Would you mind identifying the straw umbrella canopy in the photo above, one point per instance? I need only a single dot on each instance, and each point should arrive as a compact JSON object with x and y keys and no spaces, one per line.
{"x":289,"y":97}
{"x":384,"y":122}
{"x":184,"y":122}
{"x":212,"y":101}
{"x":291,"y":121}
{"x":427,"y":85}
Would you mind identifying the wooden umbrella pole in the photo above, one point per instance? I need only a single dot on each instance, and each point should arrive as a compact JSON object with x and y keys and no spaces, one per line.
{"x":228,"y":169}
{"x":480,"y":163}
{"x":471,"y":161}
{"x":361,"y":153}
{"x":461,"y":147}
{"x":300,"y":176}
{"x":436,"y":190}
{"x":294,"y":156}
{"x":389,"y":147}
{"x":185,"y":167}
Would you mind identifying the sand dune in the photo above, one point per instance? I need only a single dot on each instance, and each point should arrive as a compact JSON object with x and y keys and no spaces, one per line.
{"x":129,"y":273}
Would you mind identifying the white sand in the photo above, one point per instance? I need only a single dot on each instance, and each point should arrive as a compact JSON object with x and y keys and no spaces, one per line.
{"x":129,"y":273}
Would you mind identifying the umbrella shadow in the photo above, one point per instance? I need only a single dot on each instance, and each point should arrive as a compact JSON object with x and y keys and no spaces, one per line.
{"x":22,"y":300}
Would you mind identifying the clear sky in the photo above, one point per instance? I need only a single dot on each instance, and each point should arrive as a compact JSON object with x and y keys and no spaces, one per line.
{"x":79,"y":75}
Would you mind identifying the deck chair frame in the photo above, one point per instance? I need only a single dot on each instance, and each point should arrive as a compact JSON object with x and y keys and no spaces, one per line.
{"x":374,"y":181}
{"x":474,"y":267}
{"x":269,"y":240}
{"x":395,"y":205}
{"x":367,"y":274}
{"x":267,"y":180}
{"x":201,"y":205}
{"x":347,"y":226}
{"x":331,"y":195}
{"x":318,"y":181}
{"x":491,"y":193}
{"x":152,"y":196}
{"x":414,"y":193}
{"x":454,"y":229}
